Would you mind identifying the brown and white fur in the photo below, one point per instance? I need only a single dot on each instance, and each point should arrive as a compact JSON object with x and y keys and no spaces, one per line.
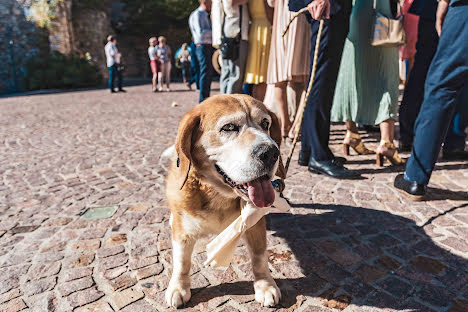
{"x":237,"y":134}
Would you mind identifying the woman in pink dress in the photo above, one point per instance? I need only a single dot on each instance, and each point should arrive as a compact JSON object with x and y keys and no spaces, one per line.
{"x":408,"y":51}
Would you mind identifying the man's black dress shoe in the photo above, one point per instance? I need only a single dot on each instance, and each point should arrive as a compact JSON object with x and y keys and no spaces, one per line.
{"x":405,"y":147}
{"x":304,"y":159}
{"x":412,"y":190}
{"x":122,"y":90}
{"x":459,"y":154}
{"x":332,"y":169}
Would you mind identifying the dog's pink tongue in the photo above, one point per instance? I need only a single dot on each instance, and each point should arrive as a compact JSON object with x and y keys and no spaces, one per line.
{"x":261,"y":193}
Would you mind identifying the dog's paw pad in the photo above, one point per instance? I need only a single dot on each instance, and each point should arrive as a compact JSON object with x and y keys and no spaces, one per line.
{"x":267,"y":293}
{"x":176,"y":297}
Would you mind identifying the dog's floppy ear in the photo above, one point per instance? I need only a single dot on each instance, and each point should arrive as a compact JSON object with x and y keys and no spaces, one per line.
{"x":275,"y":134}
{"x":187,"y":128}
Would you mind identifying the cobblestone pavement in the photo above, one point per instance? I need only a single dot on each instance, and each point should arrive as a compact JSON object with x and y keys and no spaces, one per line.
{"x":346,"y":245}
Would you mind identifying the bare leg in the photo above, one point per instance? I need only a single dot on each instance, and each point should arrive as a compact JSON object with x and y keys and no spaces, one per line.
{"x":351,"y":126}
{"x":266,"y":291}
{"x":387,"y":130}
{"x":281,"y":101}
{"x":178,"y":291}
{"x":155,"y":81}
{"x":297,"y":119}
{"x":258,"y":91}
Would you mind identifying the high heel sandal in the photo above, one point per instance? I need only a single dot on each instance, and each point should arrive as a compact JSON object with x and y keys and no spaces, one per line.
{"x":359,"y":147}
{"x":394,"y":159}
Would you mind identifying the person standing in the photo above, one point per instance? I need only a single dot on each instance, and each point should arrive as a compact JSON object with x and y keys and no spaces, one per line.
{"x":447,"y":76}
{"x":184,"y":58}
{"x":194,"y":67}
{"x":165,"y":55}
{"x":367,"y":85}
{"x":289,"y":59}
{"x":259,"y":47}
{"x":235,"y":25}
{"x":200,"y":26}
{"x":113,"y":58}
{"x":315,"y":152}
{"x":426,"y":47}
{"x":153,"y":42}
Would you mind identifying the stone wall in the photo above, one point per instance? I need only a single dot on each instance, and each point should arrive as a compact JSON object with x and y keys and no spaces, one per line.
{"x":18,"y":42}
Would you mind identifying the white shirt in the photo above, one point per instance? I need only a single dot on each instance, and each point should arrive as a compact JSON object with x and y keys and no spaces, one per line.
{"x":112,"y":54}
{"x":152,"y":53}
{"x":200,"y":26}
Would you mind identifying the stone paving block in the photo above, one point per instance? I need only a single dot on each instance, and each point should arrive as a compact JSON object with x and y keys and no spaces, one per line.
{"x":113,"y":261}
{"x":38,"y":271}
{"x":127,"y":296}
{"x":149,"y":271}
{"x":122,"y":282}
{"x":84,"y":297}
{"x":13,"y":306}
{"x":428,"y":265}
{"x":37,"y":287}
{"x":369,"y":274}
{"x":117,"y":239}
{"x":83,"y":245}
{"x":12,"y":294}
{"x":140,"y":306}
{"x":98,"y":306}
{"x":68,"y":288}
{"x":138,"y":263}
{"x":110,"y":251}
{"x":73,"y":274}
{"x":115,"y":272}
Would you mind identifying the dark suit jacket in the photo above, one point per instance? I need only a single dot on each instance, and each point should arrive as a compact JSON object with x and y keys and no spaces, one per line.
{"x":335,"y":5}
{"x":424,"y":8}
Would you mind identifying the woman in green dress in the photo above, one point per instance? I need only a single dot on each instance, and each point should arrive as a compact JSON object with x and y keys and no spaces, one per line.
{"x":367,"y":86}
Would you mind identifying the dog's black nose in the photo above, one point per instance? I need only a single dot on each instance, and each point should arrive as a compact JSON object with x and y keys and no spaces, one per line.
{"x":268,"y":154}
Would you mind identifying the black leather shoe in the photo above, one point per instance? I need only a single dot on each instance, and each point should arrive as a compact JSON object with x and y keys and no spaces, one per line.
{"x":332,"y":169}
{"x":410,"y":189}
{"x":122,"y":90}
{"x":405,"y":147}
{"x":304,"y":159}
{"x":460,"y":154}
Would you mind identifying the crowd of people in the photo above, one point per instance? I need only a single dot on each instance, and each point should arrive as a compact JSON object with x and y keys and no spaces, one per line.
{"x":356,"y":81}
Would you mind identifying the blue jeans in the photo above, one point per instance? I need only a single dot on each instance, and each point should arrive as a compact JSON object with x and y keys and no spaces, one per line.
{"x":204,"y":54}
{"x":447,"y":76}
{"x":113,"y":74}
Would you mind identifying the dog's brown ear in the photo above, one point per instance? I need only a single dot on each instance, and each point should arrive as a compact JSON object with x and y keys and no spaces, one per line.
{"x":187,"y":129}
{"x":275,"y":134}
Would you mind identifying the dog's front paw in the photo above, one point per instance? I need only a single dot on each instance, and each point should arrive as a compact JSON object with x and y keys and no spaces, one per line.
{"x":266,"y":292}
{"x":177,"y":295}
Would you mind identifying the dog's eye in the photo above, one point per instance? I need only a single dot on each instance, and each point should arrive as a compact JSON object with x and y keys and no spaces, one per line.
{"x":265,"y":124}
{"x":230,"y":127}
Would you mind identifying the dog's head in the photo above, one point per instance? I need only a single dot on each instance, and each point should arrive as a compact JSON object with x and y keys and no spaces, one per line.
{"x":232,"y":141}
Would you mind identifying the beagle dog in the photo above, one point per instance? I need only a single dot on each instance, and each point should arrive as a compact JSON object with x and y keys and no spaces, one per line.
{"x":227,"y":153}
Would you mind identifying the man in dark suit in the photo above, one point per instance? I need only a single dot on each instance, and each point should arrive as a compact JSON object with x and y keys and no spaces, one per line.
{"x":426,"y":48}
{"x":447,"y":76}
{"x":315,"y":152}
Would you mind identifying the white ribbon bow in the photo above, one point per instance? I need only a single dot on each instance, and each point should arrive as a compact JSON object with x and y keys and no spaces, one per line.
{"x":221,"y":249}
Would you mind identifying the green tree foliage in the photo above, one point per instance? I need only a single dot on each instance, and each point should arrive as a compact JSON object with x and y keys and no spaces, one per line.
{"x":59,"y":71}
{"x":153,"y":16}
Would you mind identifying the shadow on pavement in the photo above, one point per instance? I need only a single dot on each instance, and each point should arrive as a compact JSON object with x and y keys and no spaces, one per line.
{"x":345,"y":255}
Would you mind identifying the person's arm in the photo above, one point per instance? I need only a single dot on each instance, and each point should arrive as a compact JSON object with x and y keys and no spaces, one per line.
{"x":319,"y":9}
{"x":442,"y":9}
{"x":194,"y":22}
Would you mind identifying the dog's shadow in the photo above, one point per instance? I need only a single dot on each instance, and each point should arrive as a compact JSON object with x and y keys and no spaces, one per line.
{"x":344,"y":255}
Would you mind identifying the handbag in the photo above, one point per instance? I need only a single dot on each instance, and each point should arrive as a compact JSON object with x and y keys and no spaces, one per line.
{"x":388,"y":32}
{"x":230,"y":46}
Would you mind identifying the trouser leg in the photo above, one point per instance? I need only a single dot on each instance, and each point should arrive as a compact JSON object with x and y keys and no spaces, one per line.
{"x":111,"y":77}
{"x":316,"y":122}
{"x":413,"y":95}
{"x":447,"y":75}
{"x":204,"y":54}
